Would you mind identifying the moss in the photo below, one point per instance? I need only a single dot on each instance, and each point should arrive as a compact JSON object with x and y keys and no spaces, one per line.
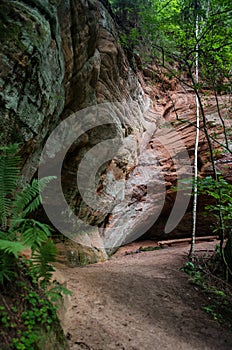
{"x":81,"y":256}
{"x":32,"y":64}
{"x":26,"y":28}
{"x":19,"y":27}
{"x":150,"y":249}
{"x":87,"y":258}
{"x":11,"y":97}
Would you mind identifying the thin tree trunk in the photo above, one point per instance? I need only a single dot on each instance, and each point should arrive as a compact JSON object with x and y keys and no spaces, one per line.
{"x":195,"y":194}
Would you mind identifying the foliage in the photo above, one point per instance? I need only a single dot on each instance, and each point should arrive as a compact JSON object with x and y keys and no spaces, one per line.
{"x":220,"y":191}
{"x":216,"y":292}
{"x":18,"y":232}
{"x":130,"y":12}
{"x":40,"y":312}
{"x":130,"y":15}
{"x":165,"y":30}
{"x":189,"y":268}
{"x":194,"y":272}
{"x":30,"y":319}
{"x":9,"y":171}
{"x":214,"y":41}
{"x":40,"y":263}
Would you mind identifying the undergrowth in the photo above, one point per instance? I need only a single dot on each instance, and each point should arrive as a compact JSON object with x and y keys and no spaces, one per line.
{"x":27,"y":317}
{"x":206,"y":273}
{"x":27,"y":296}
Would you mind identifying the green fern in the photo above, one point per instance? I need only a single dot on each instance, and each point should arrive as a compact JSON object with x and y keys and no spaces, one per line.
{"x":18,"y":231}
{"x":13,"y":248}
{"x":9,"y":175}
{"x":29,"y":199}
{"x":41,"y":267}
{"x":7,"y":267}
{"x":34,"y":233}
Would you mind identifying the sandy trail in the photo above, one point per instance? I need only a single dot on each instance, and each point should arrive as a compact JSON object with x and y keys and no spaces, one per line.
{"x":140,"y":302}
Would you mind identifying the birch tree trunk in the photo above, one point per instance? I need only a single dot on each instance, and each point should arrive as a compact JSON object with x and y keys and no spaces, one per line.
{"x":195,"y":194}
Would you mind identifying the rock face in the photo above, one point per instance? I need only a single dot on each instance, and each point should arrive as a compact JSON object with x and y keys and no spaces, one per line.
{"x":31,"y":76}
{"x":176,"y":104}
{"x":57,"y":59}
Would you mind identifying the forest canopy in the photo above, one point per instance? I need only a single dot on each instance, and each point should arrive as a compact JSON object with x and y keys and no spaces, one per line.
{"x":175,"y":30}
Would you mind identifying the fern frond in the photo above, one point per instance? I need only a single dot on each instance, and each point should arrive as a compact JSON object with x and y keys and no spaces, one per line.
{"x":45,"y":254}
{"x":10,"y":247}
{"x":24,"y":198}
{"x":9,"y":172}
{"x":44,"y":227}
{"x":56,"y":292}
{"x":8,"y":235}
{"x":19,"y":232}
{"x":41,"y":259}
{"x":29,"y":199}
{"x":7,"y":267}
{"x":34,"y":234}
{"x":43,"y":182}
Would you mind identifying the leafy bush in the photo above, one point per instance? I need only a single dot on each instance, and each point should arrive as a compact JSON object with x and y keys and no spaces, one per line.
{"x":220,"y":190}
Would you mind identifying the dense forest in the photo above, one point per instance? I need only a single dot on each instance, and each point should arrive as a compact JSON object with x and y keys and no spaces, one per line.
{"x":185,"y":41}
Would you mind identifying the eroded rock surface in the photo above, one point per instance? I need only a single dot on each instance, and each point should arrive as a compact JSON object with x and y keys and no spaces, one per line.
{"x":58,"y":58}
{"x":176,"y":104}
{"x":31,"y":75}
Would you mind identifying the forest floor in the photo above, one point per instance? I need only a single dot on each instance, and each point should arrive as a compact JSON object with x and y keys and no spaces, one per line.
{"x":140,"y":301}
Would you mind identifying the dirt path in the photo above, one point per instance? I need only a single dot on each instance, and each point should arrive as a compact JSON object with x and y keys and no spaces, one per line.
{"x":137,"y":302}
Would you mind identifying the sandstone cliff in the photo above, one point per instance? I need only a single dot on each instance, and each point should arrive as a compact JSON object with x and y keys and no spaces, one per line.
{"x":56,"y":59}
{"x":60,"y":57}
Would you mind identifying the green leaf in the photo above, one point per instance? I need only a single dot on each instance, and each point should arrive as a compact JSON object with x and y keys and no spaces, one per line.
{"x":41,"y":262}
{"x":12,"y":247}
{"x":7,"y":267}
{"x":34,"y":233}
{"x":29,"y":199}
{"x":9,"y":174}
